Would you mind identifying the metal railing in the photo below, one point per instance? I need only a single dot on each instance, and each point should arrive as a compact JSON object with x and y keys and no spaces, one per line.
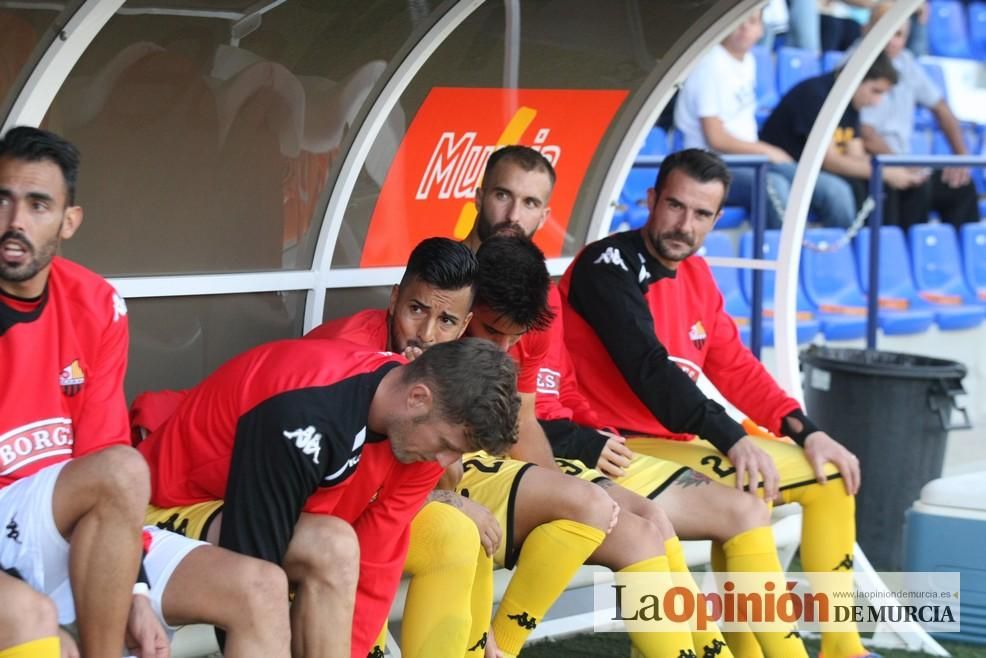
{"x":877,"y":192}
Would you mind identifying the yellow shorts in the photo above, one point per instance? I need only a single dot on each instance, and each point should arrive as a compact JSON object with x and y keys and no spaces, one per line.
{"x":646,"y":476}
{"x":191,"y":520}
{"x":705,"y":458}
{"x":492,"y":482}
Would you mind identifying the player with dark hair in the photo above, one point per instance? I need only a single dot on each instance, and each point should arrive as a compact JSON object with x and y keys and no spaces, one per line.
{"x":276,"y":434}
{"x":72,"y":490}
{"x":643,"y":320}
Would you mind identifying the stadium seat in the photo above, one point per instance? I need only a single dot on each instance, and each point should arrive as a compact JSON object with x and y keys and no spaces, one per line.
{"x":831,"y":59}
{"x":977,"y":29}
{"x":948,"y":34}
{"x":767,"y":95}
{"x":656,"y":142}
{"x":938,"y":265}
{"x":632,"y":210}
{"x":897,"y":286}
{"x":793,"y":66}
{"x":974,"y":258}
{"x":921,"y":142}
{"x":832,"y":285}
{"x":923,"y":117}
{"x":808,"y":324}
{"x":732,"y":216}
{"x":728,"y":280}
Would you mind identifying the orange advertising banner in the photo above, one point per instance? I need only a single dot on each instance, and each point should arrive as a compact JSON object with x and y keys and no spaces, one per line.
{"x":430,"y":188}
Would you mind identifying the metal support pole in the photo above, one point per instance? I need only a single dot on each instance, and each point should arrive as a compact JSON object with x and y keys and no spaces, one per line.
{"x":876,"y":221}
{"x":759,"y":217}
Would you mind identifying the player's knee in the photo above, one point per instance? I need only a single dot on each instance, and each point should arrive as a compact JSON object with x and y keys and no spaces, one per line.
{"x":327,"y":551}
{"x":454,"y":533}
{"x":124,"y":477}
{"x":35,"y":615}
{"x":588,"y":504}
{"x":263,"y":591}
{"x":746,"y":512}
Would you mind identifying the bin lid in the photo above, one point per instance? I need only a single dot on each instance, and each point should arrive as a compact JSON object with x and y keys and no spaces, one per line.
{"x":958,"y":491}
{"x":883,"y":364}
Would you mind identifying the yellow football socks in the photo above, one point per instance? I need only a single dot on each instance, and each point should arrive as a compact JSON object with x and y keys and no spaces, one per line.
{"x":669,"y":642}
{"x":755,"y":551}
{"x":46,"y":647}
{"x":827,"y":540}
{"x":442,"y":562}
{"x":550,"y":556}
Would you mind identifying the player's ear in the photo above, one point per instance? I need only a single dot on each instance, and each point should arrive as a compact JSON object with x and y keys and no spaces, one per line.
{"x":419,"y":399}
{"x":71,"y":221}
{"x":394,"y":293}
{"x":544,"y":218}
{"x":465,"y":325}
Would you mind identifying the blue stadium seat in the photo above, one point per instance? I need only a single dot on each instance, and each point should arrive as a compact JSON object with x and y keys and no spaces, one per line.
{"x":923,"y":117}
{"x":948,"y":34}
{"x":656,"y":142}
{"x":767,"y":95}
{"x":974,"y":258}
{"x":793,"y":66}
{"x":808,"y":324}
{"x":732,"y":216}
{"x":632,"y":210}
{"x":728,"y":280}
{"x":897,"y":287}
{"x":938,"y":264}
{"x":832,"y":285}
{"x":831,"y":59}
{"x":977,"y":29}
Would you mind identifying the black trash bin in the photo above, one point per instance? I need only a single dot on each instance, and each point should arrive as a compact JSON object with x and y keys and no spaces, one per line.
{"x":894,"y":411}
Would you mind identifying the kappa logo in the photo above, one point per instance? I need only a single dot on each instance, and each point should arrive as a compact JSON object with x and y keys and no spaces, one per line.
{"x":307,"y":440}
{"x":353,"y":461}
{"x":480,"y":644}
{"x":71,"y":379}
{"x":119,"y":307}
{"x":13,"y":531}
{"x":644,"y":274}
{"x":697,"y":335}
{"x":611,"y":256}
{"x":845,"y":564}
{"x":525,"y":621}
{"x":714,"y":649}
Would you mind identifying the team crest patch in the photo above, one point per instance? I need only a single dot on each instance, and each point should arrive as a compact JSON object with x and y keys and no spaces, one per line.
{"x":697,"y":335}
{"x":72,"y":378}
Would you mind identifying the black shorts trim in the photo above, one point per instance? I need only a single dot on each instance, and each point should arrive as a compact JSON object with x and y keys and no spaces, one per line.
{"x":667,"y":483}
{"x":208,"y":522}
{"x":511,"y":552}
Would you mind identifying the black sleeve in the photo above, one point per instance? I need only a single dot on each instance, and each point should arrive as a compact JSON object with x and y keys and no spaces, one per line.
{"x":798,"y":426}
{"x":606,"y":293}
{"x":281,"y":454}
{"x":572,"y":441}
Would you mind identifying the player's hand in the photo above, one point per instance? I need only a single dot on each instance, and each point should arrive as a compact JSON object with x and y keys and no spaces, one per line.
{"x":821,"y":448}
{"x":752,"y":465}
{"x":69,"y":648}
{"x":490,"y":533}
{"x":491,"y":650}
{"x":145,"y":637}
{"x":615,"y":456}
{"x":411,"y":352}
{"x":955,"y":176}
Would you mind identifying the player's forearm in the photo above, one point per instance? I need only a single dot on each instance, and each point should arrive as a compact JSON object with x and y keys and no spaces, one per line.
{"x":873,"y":141}
{"x":532,"y":445}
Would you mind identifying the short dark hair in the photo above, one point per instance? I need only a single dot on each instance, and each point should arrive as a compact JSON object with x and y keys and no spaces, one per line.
{"x":525,"y":156}
{"x":514,"y":281}
{"x":444,"y":264}
{"x":882,"y":69}
{"x":33,"y":145}
{"x":475,"y":384}
{"x":698,"y":164}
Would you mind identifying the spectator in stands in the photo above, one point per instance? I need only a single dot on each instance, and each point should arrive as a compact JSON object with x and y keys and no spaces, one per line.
{"x":274,"y":437}
{"x":841,"y":21}
{"x":846,"y":166}
{"x":888,"y":126}
{"x":716,"y":109}
{"x":72,"y":489}
{"x":643,"y":321}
